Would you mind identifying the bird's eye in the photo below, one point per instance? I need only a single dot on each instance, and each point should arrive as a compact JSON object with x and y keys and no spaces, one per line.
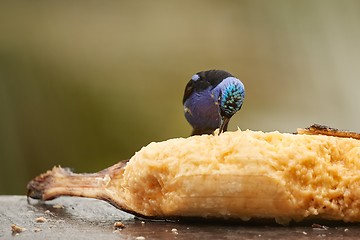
{"x":195,"y":77}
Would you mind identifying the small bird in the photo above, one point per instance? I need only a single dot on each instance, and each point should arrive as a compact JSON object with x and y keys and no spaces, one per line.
{"x":211,"y":98}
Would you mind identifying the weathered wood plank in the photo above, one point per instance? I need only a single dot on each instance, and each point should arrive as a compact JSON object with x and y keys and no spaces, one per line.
{"x":80,"y":218}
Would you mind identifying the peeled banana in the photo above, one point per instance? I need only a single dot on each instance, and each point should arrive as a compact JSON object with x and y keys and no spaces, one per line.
{"x":236,"y":175}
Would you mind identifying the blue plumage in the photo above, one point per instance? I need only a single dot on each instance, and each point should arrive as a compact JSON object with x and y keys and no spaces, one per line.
{"x":211,"y":98}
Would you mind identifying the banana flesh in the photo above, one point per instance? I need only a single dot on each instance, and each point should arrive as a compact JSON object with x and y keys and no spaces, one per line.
{"x":236,"y":175}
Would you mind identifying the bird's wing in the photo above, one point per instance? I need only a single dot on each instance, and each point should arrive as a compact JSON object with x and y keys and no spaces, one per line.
{"x":195,"y":86}
{"x":189,"y":89}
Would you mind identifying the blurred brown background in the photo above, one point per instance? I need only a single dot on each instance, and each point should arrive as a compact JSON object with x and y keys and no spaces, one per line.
{"x":85,"y":84}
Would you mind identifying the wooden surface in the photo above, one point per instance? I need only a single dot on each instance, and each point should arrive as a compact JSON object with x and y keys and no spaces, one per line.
{"x":80,"y":218}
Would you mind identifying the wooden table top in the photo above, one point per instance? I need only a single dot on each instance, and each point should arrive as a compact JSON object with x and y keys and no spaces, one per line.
{"x":81,"y":218}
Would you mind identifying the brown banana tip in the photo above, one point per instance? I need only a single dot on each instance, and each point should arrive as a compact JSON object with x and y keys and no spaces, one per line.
{"x":35,"y":189}
{"x":37,"y":186}
{"x":317,"y":129}
{"x":29,"y":195}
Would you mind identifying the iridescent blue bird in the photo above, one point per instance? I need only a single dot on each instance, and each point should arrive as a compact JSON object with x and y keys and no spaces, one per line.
{"x":211,"y":98}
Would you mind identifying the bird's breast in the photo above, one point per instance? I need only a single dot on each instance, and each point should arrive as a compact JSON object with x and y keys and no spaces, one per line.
{"x":202,"y":110}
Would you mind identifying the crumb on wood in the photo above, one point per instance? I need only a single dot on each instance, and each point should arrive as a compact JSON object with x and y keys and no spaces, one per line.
{"x":58,"y":206}
{"x":49,"y":213}
{"x":40,"y":219}
{"x":36,"y":230}
{"x":119,"y":225}
{"x":316,"y":226}
{"x":53,"y":225}
{"x":17,"y":229}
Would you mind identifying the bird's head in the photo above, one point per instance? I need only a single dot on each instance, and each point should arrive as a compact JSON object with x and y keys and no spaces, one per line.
{"x":231,"y":97}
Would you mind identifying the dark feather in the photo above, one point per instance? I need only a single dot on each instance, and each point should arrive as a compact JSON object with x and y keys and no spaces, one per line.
{"x":207,"y":78}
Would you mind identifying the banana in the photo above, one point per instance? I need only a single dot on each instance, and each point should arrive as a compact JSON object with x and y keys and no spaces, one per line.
{"x":236,"y":175}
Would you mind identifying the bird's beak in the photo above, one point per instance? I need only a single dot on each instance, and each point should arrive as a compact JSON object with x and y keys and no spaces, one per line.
{"x":224,"y":124}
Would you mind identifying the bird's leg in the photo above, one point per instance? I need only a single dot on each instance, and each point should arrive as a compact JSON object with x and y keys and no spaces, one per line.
{"x":224,"y":124}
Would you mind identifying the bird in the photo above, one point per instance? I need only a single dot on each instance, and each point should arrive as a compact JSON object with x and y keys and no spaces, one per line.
{"x":210,"y":99}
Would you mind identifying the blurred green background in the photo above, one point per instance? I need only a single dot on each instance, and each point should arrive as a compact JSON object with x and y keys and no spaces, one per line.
{"x":84,"y":84}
